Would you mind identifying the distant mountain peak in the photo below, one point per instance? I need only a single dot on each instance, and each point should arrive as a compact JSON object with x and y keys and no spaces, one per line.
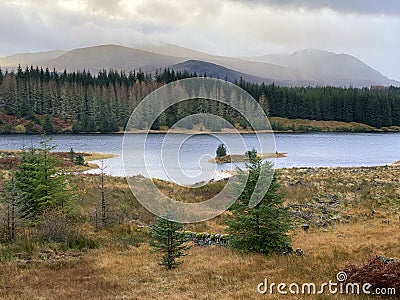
{"x":302,"y":67}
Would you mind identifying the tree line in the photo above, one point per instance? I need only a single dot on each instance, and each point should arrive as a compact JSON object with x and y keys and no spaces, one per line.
{"x":375,"y":106}
{"x":51,"y":101}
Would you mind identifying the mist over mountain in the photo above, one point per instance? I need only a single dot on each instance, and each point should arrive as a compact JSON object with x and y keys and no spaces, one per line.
{"x":217,"y":71}
{"x":38,"y":58}
{"x":111,"y":57}
{"x":301,"y":68}
{"x":329,"y":68}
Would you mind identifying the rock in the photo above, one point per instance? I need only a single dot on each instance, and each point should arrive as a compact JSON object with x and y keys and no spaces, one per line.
{"x":387,"y":260}
{"x":305,"y":227}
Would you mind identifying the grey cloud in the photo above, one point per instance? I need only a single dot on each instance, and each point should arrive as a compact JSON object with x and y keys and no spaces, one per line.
{"x":104,"y":6}
{"x":389,"y":7}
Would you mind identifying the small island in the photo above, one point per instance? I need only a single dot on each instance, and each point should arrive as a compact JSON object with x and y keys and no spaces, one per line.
{"x":222,"y":157}
{"x":234,"y":158}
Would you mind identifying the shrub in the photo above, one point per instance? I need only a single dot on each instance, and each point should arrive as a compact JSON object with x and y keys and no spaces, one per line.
{"x":80,"y":241}
{"x":79,"y":160}
{"x":54,"y":227}
{"x":19,"y":129}
{"x":380,"y":272}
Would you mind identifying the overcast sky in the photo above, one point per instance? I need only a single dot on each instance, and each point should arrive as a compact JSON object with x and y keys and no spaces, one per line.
{"x":367,"y":29}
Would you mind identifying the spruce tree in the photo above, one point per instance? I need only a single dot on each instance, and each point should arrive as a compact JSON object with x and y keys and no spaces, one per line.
{"x":47,"y":125}
{"x":71,"y":155}
{"x":252,"y":155}
{"x":167,"y":238}
{"x":221,"y":150}
{"x":39,"y":184}
{"x":263,"y":228}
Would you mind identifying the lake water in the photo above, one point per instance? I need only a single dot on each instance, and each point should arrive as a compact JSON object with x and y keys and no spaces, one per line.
{"x":193,"y":153}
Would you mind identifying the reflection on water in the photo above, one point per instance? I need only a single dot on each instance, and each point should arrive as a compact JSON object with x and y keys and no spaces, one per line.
{"x":308,"y":150}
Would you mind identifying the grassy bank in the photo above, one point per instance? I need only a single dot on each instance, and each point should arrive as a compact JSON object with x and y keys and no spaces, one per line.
{"x":12,"y":125}
{"x":345,"y":208}
{"x":9,"y":159}
{"x":301,"y":125}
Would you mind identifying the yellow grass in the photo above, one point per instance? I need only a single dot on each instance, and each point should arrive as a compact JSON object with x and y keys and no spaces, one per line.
{"x":98,"y":156}
{"x":206,"y":273}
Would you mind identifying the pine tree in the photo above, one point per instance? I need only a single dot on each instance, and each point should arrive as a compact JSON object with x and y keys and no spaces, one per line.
{"x":251,"y":155}
{"x":263,"y":228}
{"x":71,"y":155}
{"x":47,"y":125}
{"x":40,"y":186}
{"x":264,"y":103}
{"x":221,"y":150}
{"x":167,"y":238}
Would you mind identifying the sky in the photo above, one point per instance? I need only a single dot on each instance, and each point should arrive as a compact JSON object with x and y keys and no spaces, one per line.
{"x":367,"y":29}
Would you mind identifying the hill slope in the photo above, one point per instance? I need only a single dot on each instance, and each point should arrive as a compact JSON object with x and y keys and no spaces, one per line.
{"x":112,"y":57}
{"x":216,"y":71}
{"x":328,"y":68}
{"x":24,"y":59}
{"x":302,"y":68}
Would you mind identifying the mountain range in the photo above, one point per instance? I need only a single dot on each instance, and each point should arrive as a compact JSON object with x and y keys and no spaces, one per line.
{"x":301,"y":68}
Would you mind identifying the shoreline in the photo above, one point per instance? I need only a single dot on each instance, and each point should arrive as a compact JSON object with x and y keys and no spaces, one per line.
{"x":230,"y":173}
{"x":10,"y":157}
{"x":391,"y":131}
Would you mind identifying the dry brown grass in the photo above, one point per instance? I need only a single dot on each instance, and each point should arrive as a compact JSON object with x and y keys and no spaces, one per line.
{"x":206,"y":273}
{"x":60,"y":280}
{"x":114,"y":272}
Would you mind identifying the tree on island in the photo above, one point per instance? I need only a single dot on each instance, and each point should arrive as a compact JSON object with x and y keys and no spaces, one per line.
{"x":167,"y":238}
{"x":252,"y":155}
{"x":262,"y":228}
{"x":221,"y":150}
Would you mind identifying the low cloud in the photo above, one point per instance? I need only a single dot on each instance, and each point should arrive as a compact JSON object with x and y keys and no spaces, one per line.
{"x":365,"y":29}
{"x":389,"y":7}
